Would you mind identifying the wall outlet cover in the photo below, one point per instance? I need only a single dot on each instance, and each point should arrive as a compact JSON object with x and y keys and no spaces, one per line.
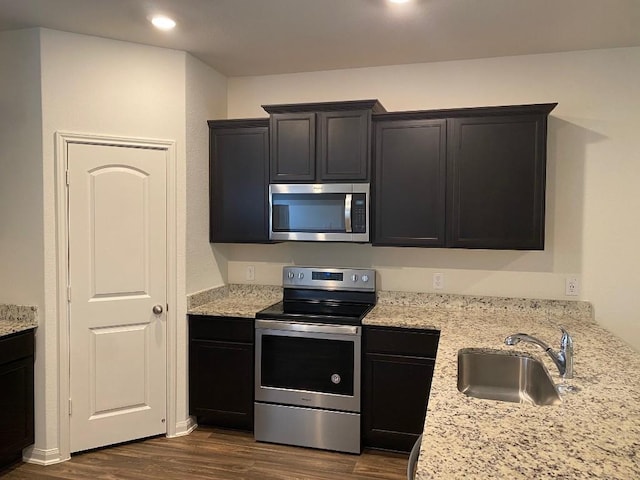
{"x":572,"y":286}
{"x":251,"y":273}
{"x":438,"y":281}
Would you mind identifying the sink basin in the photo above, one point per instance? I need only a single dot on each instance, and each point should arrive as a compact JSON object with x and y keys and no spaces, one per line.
{"x":506,"y":376}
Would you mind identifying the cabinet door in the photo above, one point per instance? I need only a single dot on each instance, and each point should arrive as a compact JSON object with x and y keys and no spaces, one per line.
{"x":16,"y":399}
{"x":293,"y":147}
{"x":397,"y":372}
{"x":410,"y":182}
{"x":221,"y":370}
{"x":395,"y":396}
{"x":496,"y":182}
{"x":239,"y":184}
{"x":343,"y":148}
{"x":221,"y":383}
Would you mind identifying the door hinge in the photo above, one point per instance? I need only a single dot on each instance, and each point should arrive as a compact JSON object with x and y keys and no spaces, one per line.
{"x":69,"y":407}
{"x":167,"y":307}
{"x":69,"y":293}
{"x":67,"y":176}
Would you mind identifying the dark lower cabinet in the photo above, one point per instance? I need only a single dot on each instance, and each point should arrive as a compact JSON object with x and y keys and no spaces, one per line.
{"x":397,"y":371}
{"x":221,"y":371}
{"x":238,"y":181}
{"x":16,"y":395}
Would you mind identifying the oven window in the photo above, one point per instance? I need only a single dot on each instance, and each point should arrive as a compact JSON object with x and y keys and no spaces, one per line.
{"x":310,"y":364}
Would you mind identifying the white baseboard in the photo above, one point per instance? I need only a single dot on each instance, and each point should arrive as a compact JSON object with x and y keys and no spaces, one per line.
{"x":40,"y":456}
{"x":185,"y":427}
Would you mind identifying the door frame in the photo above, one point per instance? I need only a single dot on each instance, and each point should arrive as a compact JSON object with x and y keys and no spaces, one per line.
{"x":62,"y":141}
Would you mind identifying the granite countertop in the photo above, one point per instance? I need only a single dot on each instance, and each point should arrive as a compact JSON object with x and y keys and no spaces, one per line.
{"x":17,"y":318}
{"x":594,"y":433}
{"x":234,"y":300}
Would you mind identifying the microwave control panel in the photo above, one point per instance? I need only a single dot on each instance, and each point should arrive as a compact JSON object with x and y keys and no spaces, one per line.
{"x":359,"y":213}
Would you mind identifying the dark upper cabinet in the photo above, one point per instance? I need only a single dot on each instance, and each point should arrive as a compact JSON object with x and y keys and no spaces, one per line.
{"x":238,"y":180}
{"x":344,"y":152}
{"x":496,"y":181}
{"x":410,"y":181}
{"x":293,"y":147}
{"x":321,"y":142}
{"x":466,"y":178}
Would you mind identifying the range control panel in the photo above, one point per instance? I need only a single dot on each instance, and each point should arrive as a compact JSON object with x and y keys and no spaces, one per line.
{"x":329,"y":278}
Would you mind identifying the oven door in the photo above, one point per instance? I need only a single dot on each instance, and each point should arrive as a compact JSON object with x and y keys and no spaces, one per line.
{"x":311,"y":365}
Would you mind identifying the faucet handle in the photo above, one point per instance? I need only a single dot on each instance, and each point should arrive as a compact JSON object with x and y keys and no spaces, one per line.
{"x":566,"y":351}
{"x":566,"y":340}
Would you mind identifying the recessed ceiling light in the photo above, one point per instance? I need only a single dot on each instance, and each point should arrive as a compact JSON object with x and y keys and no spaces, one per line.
{"x":399,"y":1}
{"x":163,"y":23}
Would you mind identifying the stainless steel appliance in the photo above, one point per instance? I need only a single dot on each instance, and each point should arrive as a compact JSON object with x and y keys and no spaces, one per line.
{"x":331,"y":212}
{"x":307,"y":359}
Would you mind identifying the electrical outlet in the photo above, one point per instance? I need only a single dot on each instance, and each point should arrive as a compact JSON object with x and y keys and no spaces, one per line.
{"x":438,"y":281}
{"x":251,"y":272}
{"x":572,"y":286}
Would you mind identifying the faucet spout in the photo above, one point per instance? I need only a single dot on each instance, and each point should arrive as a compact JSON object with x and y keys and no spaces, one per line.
{"x":563,"y":359}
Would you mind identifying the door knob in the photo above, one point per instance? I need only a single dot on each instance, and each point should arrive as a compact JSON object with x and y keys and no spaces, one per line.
{"x":157,"y":309}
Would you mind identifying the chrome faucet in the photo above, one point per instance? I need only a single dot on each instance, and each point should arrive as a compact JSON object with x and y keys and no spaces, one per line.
{"x":563,"y":359}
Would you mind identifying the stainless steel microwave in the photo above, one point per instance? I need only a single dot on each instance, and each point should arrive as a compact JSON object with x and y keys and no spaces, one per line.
{"x":327,"y":212}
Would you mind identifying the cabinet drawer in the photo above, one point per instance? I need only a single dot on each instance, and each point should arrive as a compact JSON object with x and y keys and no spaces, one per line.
{"x":401,"y":341}
{"x":229,"y":329}
{"x":16,"y":346}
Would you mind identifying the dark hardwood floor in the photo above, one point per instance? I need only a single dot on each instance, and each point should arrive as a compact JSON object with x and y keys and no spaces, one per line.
{"x":211,"y":453}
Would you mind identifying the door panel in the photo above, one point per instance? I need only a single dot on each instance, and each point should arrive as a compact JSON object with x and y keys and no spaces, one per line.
{"x":117,"y":272}
{"x":120,"y":263}
{"x":115,"y":350}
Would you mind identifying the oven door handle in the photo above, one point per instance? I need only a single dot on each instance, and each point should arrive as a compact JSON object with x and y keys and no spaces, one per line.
{"x":307,"y":327}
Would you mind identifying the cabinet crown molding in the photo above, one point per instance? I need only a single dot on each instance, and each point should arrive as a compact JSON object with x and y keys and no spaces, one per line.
{"x":374,"y":105}
{"x":529,"y":109}
{"x":239,"y":122}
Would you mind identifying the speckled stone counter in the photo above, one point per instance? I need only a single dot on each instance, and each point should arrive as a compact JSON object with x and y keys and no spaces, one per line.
{"x":234,"y":300}
{"x":17,"y":318}
{"x":594,"y":433}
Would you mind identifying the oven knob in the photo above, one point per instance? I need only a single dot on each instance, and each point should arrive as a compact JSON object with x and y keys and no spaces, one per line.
{"x":354,"y":278}
{"x":290,"y":275}
{"x":301,"y":275}
{"x":365,"y":278}
{"x":335,"y":378}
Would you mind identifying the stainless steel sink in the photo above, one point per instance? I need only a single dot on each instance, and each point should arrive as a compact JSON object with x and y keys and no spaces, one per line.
{"x":506,"y":376}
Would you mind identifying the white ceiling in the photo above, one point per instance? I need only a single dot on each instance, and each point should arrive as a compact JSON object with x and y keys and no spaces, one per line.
{"x":254,"y":37}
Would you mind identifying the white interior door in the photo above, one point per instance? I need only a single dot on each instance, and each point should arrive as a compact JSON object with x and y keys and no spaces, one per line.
{"x":117,"y":275}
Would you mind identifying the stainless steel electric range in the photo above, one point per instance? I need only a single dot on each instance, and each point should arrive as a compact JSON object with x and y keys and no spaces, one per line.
{"x":307,"y":359}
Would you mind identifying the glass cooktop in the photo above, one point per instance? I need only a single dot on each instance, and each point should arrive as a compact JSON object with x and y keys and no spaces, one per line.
{"x":316,"y":312}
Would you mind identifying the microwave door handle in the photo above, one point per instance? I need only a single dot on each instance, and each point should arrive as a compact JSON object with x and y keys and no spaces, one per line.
{"x":347,"y":213}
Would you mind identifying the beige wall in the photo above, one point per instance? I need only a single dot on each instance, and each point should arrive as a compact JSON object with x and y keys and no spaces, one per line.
{"x":21,"y":237}
{"x":92,"y":85}
{"x":56,"y":81}
{"x":21,"y":191}
{"x":593,"y":166}
{"x":206,"y":99}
